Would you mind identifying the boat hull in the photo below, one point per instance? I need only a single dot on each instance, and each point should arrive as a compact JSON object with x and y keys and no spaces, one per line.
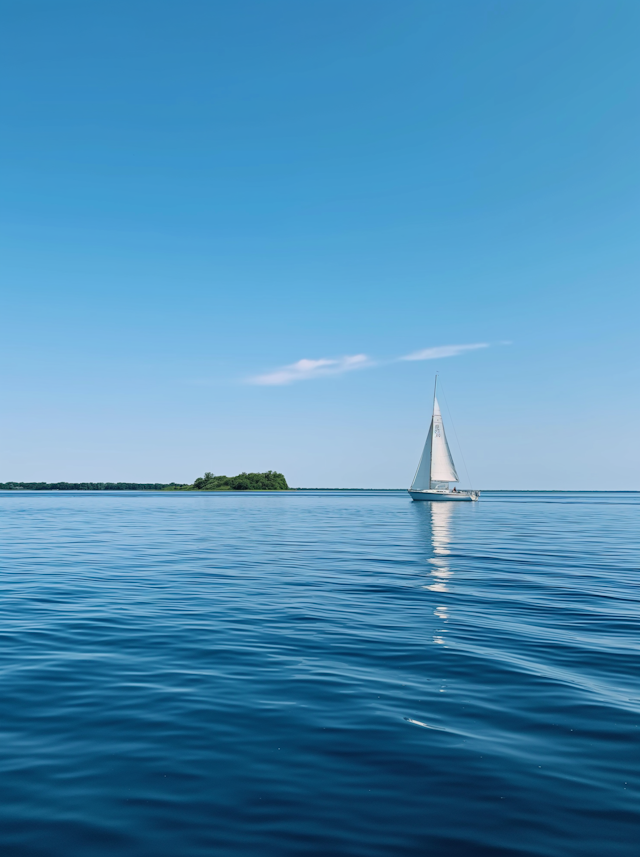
{"x":445,"y":496}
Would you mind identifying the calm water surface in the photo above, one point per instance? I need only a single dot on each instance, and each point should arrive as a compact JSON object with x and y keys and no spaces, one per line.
{"x":315,"y":674}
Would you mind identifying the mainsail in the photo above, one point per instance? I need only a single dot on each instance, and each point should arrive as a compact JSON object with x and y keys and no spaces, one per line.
{"x":442,"y":467}
{"x":436,"y":464}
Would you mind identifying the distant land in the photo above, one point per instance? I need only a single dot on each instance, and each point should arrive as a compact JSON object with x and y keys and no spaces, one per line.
{"x":86,"y":486}
{"x":269,"y":481}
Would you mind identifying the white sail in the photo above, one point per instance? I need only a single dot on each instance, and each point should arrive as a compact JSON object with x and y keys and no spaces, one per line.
{"x":422,"y":480}
{"x":436,"y":463}
{"x":442,"y":467}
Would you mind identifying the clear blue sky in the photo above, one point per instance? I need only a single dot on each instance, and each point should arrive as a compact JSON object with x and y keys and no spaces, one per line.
{"x":198,"y":194}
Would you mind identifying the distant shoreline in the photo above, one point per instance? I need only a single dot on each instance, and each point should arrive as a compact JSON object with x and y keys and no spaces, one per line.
{"x":188,"y":490}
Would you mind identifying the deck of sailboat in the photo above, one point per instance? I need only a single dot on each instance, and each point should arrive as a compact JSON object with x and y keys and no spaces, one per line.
{"x":445,"y":496}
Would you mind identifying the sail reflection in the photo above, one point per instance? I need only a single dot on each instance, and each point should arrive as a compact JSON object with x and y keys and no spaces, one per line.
{"x":441,"y":539}
{"x":436,"y":523}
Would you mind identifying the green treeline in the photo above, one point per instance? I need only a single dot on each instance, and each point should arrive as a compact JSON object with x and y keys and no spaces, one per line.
{"x":86,"y":486}
{"x":269,"y":481}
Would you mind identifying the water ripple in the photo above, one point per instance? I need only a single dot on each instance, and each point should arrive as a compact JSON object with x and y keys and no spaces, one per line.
{"x":319,"y":673}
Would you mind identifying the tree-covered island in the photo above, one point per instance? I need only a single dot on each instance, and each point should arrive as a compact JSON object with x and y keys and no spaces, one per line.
{"x":269,"y":481}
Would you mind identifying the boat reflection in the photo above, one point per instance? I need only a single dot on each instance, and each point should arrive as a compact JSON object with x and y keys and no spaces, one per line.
{"x":441,"y":534}
{"x":441,"y":571}
{"x":436,"y":523}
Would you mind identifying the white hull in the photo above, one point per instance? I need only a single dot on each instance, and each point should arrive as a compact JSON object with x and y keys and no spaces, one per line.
{"x":440,"y":496}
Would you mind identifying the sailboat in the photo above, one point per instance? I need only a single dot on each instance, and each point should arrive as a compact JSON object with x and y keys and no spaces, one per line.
{"x":436,"y":469}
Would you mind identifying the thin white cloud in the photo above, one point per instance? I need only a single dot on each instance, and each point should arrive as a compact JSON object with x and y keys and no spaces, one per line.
{"x":443,"y":351}
{"x":304,"y":370}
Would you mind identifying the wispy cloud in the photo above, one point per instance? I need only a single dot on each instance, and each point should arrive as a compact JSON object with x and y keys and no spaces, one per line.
{"x":443,"y":351}
{"x":304,"y":370}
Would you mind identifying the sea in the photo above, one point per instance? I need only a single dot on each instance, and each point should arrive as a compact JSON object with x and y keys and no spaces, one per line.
{"x":319,"y":673}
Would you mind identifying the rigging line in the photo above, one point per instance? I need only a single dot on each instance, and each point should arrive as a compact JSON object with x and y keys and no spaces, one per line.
{"x":453,"y":426}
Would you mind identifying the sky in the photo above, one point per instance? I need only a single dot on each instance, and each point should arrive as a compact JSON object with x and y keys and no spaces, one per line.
{"x":245,"y":236}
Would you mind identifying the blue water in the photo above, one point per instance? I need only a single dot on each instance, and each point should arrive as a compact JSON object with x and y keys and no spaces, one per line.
{"x":319,"y":673}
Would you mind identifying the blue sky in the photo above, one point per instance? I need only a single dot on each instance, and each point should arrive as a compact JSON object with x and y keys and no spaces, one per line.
{"x":197,"y":196}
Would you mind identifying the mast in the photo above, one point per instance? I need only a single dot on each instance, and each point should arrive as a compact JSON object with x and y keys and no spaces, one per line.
{"x":433,"y":413}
